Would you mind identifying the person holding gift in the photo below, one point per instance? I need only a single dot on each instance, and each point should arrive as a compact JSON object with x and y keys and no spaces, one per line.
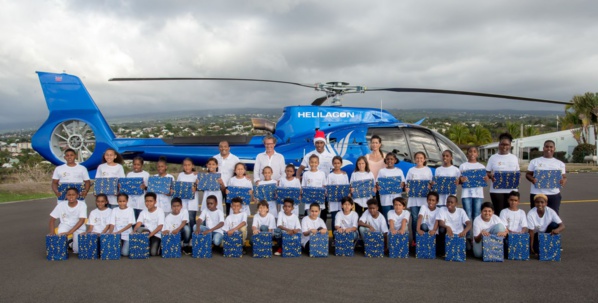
{"x":546,"y":162}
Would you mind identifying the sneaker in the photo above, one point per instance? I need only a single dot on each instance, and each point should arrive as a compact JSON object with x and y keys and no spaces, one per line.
{"x":187,"y":250}
{"x":278,"y":252}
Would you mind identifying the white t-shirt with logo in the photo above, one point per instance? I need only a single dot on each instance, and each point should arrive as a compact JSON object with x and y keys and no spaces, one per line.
{"x":498,"y":162}
{"x":99,"y":219}
{"x":545,"y":164}
{"x":151,"y":220}
{"x":69,"y":216}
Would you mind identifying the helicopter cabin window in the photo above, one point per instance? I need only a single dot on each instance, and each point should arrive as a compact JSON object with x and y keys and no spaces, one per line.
{"x":445,"y":144}
{"x":393,"y":140}
{"x":424,"y":141}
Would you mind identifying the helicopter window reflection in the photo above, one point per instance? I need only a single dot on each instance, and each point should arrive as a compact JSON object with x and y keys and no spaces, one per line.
{"x":420,"y":140}
{"x":393,"y":140}
{"x":445,"y":143}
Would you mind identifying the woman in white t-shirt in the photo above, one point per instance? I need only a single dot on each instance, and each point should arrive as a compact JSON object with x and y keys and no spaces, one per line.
{"x":546,"y":162}
{"x":502,"y":161}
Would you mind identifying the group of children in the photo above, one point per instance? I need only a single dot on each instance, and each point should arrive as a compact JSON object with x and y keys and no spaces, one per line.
{"x":159,"y":214}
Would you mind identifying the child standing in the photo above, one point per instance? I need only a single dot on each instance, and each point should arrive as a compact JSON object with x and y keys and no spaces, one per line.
{"x":542,"y":219}
{"x":153,"y":221}
{"x":72,"y":217}
{"x":290,"y":181}
{"x":190,"y":205}
{"x":287,"y":222}
{"x":212,"y":166}
{"x":312,"y":224}
{"x":419,"y":172}
{"x":314,"y":178}
{"x":176,"y":222}
{"x":472,"y":198}
{"x":111,"y":167}
{"x":447,"y":170}
{"x":362,"y":172}
{"x":163,"y":200}
{"x":240,"y":180}
{"x":237,"y":221}
{"x":214,"y":220}
{"x":336,"y":177}
{"x":346,"y":221}
{"x":70,"y":172}
{"x":398,"y":219}
{"x":121,"y":221}
{"x":267,"y":173}
{"x":138,"y":201}
{"x":485,"y":224}
{"x":99,"y":218}
{"x":386,"y":201}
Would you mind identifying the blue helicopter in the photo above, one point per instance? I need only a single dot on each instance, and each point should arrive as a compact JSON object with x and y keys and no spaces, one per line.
{"x":76,"y":122}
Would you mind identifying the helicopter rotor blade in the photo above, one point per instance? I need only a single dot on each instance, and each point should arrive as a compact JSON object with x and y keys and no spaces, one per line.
{"x":466,"y":93}
{"x":211,"y":79}
{"x":319,"y":101}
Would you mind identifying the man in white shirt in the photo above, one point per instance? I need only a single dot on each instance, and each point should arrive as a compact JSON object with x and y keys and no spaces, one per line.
{"x":269,"y":158}
{"x":226,"y":166}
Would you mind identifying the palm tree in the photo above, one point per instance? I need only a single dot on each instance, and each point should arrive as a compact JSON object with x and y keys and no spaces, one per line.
{"x":514,"y":129}
{"x":585,"y":107}
{"x":530,"y":131}
{"x":481,"y":135}
{"x":459,"y":133}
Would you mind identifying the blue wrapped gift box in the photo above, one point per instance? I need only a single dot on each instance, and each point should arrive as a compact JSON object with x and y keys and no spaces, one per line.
{"x":445,"y":185}
{"x":418,"y":188}
{"x":548,"y":178}
{"x":62,"y":188}
{"x":131,"y":186}
{"x":139,"y":246}
{"x":336,"y":192}
{"x":398,"y":245}
{"x":426,"y":246}
{"x":265,"y":192}
{"x":233,"y":245}
{"x":89,"y":247}
{"x":262,"y":245}
{"x":390,"y":185}
{"x":518,"y":247}
{"x":288,"y":192}
{"x":454,"y":248}
{"x":183,"y":190}
{"x":208,"y":181}
{"x":159,"y":185}
{"x":363,"y":188}
{"x":475,"y":178}
{"x":291,"y":245}
{"x":313,"y":195}
{"x":550,"y":247}
{"x":201,"y":245}
{"x":373,"y":242}
{"x":492,"y":248}
{"x":241,"y":192}
{"x":171,"y":246}
{"x":506,"y":179}
{"x":110,"y":246}
{"x":56,"y":248}
{"x":108,"y":186}
{"x":318,"y":246}
{"x":344,"y":244}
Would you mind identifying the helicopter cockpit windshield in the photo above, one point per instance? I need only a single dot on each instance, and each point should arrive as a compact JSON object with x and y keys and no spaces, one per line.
{"x":406,"y":141}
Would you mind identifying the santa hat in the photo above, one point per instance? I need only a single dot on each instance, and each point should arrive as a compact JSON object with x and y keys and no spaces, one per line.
{"x":319,"y":136}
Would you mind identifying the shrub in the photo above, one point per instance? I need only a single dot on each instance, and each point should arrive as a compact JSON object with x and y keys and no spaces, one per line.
{"x":581,"y":151}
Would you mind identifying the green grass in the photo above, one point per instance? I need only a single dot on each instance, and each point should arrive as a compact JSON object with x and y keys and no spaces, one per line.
{"x":9,"y":197}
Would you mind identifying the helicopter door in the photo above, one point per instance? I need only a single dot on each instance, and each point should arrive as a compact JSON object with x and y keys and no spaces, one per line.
{"x":393,"y":140}
{"x":421,"y":140}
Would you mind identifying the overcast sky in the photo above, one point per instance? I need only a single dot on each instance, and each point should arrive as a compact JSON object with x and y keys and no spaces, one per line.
{"x":540,"y":49}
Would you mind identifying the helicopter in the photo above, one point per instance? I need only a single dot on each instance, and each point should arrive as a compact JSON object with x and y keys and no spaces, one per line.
{"x":76,"y":122}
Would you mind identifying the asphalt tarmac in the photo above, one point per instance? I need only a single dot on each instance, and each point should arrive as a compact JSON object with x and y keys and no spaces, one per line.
{"x":27,"y":276}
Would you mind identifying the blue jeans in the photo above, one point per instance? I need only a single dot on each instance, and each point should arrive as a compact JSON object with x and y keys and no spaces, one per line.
{"x":477,"y":246}
{"x":414,"y":214}
{"x":216,"y":237}
{"x":277,"y":235}
{"x":332,"y":219}
{"x":385,"y":210}
{"x":185,"y":235}
{"x":473,"y":208}
{"x":192,"y":219}
{"x":124,"y":248}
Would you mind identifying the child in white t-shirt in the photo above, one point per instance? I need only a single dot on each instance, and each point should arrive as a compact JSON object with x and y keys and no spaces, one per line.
{"x":314,"y":177}
{"x":121,"y":221}
{"x":212,"y":166}
{"x":386,"y":201}
{"x":452,"y":221}
{"x":515,"y":218}
{"x":287,"y":222}
{"x":240,"y":180}
{"x":111,"y":167}
{"x":447,"y":170}
{"x":214,"y":220}
{"x":176,"y":222}
{"x":138,"y":201}
{"x":372,"y":220}
{"x":542,"y":219}
{"x":267,"y":173}
{"x":398,"y":219}
{"x":153,"y":222}
{"x":99,"y":218}
{"x":263,"y":221}
{"x":346,"y":220}
{"x":426,"y":219}
{"x":336,"y":177}
{"x":485,"y":224}
{"x":163,"y":200}
{"x":312,"y":224}
{"x":361,"y":172}
{"x":290,"y":181}
{"x":237,"y":221}
{"x":191,"y":206}
{"x":70,"y":172}
{"x":72,"y":217}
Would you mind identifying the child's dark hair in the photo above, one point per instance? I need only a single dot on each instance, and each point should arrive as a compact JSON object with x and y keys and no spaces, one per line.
{"x":472,"y":147}
{"x":514,"y":194}
{"x":401,"y":200}
{"x":347,"y":199}
{"x":423,"y":154}
{"x":242,"y":164}
{"x":314,"y":204}
{"x":162,"y":159}
{"x":119,"y":159}
{"x":102,"y":195}
{"x":367,"y":165}
{"x":176,"y":200}
{"x":210,"y":160}
{"x":267,"y":167}
{"x":337,"y":157}
{"x":288,"y":200}
{"x":236,"y":200}
{"x":392,"y":155}
{"x":138,"y":158}
{"x":191,"y":161}
{"x":212,"y":197}
{"x":372,"y":201}
{"x":314,"y":156}
{"x":453,"y":197}
{"x":435,"y":194}
{"x":488,"y":205}
{"x":505,"y":136}
{"x":127,"y":196}
{"x":150,"y":194}
{"x":73,"y":188}
{"x":69,"y":150}
{"x":291,"y":166}
{"x":263,"y":203}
